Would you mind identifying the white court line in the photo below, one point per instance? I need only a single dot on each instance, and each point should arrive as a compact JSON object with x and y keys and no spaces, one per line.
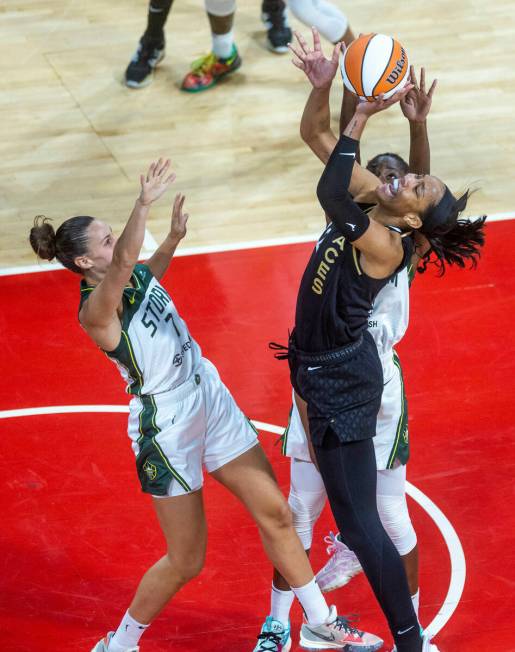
{"x":45,"y":266}
{"x":452,"y":541}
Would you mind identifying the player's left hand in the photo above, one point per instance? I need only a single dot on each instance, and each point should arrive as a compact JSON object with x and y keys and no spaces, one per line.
{"x":417,"y":103}
{"x":179,"y":219}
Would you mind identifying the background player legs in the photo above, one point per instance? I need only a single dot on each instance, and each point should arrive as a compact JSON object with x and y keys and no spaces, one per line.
{"x":224,"y":58}
{"x":330,"y":21}
{"x":183,"y":523}
{"x":151,"y":48}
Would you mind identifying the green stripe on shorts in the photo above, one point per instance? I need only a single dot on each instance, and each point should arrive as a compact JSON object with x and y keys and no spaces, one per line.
{"x":400,"y":449}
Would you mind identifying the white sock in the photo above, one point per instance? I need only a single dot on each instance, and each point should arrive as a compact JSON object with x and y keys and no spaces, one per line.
{"x":416,"y":601}
{"x":127,"y":635}
{"x":280,"y":605}
{"x":313,"y":602}
{"x":222,"y":44}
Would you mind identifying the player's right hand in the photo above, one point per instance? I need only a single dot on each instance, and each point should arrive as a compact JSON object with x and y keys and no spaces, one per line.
{"x":319,"y":70}
{"x":156,"y":182}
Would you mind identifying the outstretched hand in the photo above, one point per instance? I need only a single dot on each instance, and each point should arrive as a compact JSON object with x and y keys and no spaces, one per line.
{"x":319,"y":70}
{"x":156,"y":182}
{"x":417,"y":103}
{"x":380,"y":103}
{"x":179,"y":219}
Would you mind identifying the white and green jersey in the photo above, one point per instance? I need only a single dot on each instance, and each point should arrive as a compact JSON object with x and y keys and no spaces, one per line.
{"x":389,"y":317}
{"x":156,"y":352}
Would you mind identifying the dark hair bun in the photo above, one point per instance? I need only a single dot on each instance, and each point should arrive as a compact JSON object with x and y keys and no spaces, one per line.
{"x":42,"y":238}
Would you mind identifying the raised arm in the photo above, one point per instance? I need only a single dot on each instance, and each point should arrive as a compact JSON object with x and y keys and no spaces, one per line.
{"x":162,"y":257}
{"x":415,"y":107}
{"x":315,"y":126}
{"x":99,"y":314}
{"x":349,"y":104}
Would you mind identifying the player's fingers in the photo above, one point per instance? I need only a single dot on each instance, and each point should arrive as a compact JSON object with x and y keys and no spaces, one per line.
{"x":412,"y":76}
{"x":432,"y":89}
{"x":299,"y":64}
{"x":150,"y":171}
{"x":316,"y":40}
{"x":171,"y":178}
{"x":336,"y":52}
{"x":423,"y":79}
{"x":299,"y":55}
{"x":302,"y":42}
{"x":164,"y":168}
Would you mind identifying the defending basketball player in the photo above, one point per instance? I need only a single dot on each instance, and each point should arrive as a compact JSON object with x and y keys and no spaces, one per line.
{"x":182,"y":417}
{"x":336,"y":381}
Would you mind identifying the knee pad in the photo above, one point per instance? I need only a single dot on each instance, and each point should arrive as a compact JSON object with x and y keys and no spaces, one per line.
{"x":220,"y":7}
{"x":306,"y":507}
{"x":394,"y":515}
{"x":330,"y":21}
{"x":306,"y":499}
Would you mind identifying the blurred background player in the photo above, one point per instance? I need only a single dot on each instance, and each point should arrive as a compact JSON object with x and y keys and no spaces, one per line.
{"x":206,"y":71}
{"x":224,"y":59}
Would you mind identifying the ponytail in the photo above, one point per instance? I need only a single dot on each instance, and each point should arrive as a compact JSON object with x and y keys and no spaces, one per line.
{"x":67,"y":243}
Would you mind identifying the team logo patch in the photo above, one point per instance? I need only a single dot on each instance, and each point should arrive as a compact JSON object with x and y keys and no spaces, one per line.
{"x":150,"y":469}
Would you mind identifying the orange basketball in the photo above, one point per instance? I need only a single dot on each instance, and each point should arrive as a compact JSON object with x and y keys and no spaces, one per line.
{"x":374,"y":64}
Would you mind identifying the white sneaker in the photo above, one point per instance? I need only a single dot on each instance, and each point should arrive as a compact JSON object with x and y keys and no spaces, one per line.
{"x":336,"y":633}
{"x":341,"y":567}
{"x":103,"y":645}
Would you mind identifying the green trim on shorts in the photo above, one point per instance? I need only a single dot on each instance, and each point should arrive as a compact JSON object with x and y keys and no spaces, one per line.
{"x":154,"y":469}
{"x":284,"y":436}
{"x":400,"y":449}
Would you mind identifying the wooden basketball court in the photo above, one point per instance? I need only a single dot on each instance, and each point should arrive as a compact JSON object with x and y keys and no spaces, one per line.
{"x":74,"y":138}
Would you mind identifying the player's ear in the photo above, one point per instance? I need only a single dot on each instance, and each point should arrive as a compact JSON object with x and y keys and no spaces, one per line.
{"x":83,"y":262}
{"x":412,"y":220}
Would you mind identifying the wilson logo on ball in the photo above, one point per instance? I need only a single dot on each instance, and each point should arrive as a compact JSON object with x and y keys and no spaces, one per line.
{"x":374,"y":64}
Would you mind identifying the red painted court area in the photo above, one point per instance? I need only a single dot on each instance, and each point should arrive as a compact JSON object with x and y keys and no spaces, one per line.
{"x":77,"y":533}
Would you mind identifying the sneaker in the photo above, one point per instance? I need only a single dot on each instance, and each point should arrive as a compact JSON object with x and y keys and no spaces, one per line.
{"x":273,"y":637}
{"x":341,"y":567}
{"x":140,"y":70}
{"x":103,"y":645}
{"x":208,"y":70}
{"x":275,"y":18}
{"x":336,"y":633}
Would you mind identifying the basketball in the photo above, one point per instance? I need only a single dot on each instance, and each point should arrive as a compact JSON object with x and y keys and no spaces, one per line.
{"x":374,"y":64}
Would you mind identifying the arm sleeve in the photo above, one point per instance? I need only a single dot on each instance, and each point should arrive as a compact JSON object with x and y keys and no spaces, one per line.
{"x":333,"y":191}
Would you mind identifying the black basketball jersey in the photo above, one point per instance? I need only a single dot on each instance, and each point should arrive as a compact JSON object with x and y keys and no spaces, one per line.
{"x":335,"y":295}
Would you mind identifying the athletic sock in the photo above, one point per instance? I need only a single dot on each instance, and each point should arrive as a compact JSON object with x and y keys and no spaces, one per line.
{"x":416,"y":601}
{"x":223,"y":44}
{"x":280,"y":605}
{"x":127,"y":635}
{"x":313,"y":602}
{"x":157,"y":14}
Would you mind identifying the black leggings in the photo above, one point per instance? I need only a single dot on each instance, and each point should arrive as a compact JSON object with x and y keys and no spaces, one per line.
{"x":350,"y":475}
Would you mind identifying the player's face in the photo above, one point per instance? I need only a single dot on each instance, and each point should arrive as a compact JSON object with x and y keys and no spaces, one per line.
{"x":101,"y":243}
{"x":386,"y":168}
{"x":413,"y":193}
